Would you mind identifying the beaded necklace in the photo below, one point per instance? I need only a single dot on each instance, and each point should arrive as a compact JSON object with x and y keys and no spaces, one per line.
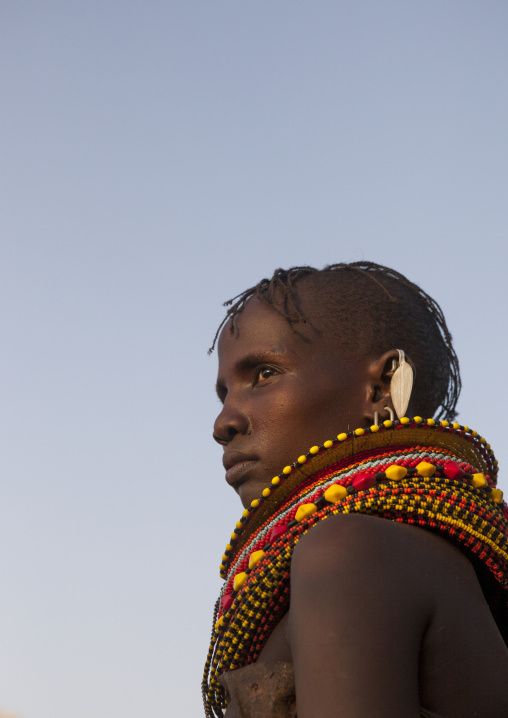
{"x":436,"y":475}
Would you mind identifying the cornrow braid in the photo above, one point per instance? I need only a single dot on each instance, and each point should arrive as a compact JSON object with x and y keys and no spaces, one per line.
{"x":280,"y":293}
{"x":282,"y":281}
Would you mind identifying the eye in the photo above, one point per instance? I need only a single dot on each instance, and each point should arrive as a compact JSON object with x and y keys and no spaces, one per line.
{"x":265,"y":372}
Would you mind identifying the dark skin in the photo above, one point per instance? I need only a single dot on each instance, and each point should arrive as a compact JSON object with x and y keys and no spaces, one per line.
{"x":384,"y":617}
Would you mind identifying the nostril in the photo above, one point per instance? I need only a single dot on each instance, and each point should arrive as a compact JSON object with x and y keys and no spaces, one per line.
{"x":225,"y":437}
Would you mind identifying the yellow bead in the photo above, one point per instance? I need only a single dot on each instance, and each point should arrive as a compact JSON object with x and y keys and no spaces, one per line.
{"x":302,"y":459}
{"x":387,"y":423}
{"x":466,"y":428}
{"x":455,"y":425}
{"x":482,"y":440}
{"x":445,"y":423}
{"x":497,"y":495}
{"x":487,"y":446}
{"x":238,"y":525}
{"x":276,"y":481}
{"x":395,"y":472}
{"x":266,"y":493}
{"x":305,"y":510}
{"x":431,"y":422}
{"x":405,"y":420}
{"x":224,"y":557}
{"x":219,"y":623}
{"x":245,"y":513}
{"x":374,"y":428}
{"x":255,"y":557}
{"x":335,"y":493}
{"x":418,"y":419}
{"x":234,"y":536}
{"x":239,"y":580}
{"x":328,"y":444}
{"x":229,"y":547}
{"x":254,"y":504}
{"x":342,"y":437}
{"x":313,"y":449}
{"x":425,"y":469}
{"x":479,"y":480}
{"x":360,"y":432}
{"x":286,"y":470}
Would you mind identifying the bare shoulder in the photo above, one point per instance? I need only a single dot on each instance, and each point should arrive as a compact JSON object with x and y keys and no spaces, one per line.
{"x":377,"y":550}
{"x":364,"y":591}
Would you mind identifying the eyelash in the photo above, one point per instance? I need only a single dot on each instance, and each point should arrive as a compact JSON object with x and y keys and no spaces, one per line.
{"x":257,"y":380}
{"x":261,"y":369}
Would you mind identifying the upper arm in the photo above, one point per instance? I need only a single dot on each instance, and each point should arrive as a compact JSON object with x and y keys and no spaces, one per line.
{"x":361,"y":598}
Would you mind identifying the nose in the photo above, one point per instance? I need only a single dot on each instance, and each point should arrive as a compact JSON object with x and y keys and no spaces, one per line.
{"x":230,"y":422}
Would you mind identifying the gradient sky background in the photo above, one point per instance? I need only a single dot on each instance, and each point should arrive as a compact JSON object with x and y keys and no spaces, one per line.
{"x":158,"y":158}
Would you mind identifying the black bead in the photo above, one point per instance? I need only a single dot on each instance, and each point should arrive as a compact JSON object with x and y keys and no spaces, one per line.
{"x":380,"y":476}
{"x":350,"y":489}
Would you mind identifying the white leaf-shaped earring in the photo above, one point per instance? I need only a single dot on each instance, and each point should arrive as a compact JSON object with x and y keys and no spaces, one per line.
{"x":401,"y":385}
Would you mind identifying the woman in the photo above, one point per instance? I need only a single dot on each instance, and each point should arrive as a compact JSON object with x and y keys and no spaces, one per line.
{"x":336,"y":602}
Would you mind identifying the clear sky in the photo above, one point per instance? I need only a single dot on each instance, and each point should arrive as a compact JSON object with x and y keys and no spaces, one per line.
{"x":156,"y":159}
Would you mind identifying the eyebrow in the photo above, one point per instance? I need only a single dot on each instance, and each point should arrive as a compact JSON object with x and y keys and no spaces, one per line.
{"x":247,"y":362}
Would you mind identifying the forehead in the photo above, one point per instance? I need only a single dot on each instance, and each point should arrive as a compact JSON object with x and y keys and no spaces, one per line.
{"x":259,"y":327}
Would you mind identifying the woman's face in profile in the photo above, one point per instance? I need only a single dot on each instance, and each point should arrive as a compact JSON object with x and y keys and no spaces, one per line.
{"x":281,"y":394}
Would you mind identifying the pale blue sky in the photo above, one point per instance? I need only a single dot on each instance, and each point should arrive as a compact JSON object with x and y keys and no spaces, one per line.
{"x":157,"y":159}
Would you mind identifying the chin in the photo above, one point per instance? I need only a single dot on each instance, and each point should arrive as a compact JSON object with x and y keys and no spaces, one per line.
{"x":250,"y":491}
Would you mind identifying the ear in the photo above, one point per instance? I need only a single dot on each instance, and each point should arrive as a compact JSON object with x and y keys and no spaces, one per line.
{"x":379,"y":390}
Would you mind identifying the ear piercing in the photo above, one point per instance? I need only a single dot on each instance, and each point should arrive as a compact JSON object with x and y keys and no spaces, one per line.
{"x":389,"y":410}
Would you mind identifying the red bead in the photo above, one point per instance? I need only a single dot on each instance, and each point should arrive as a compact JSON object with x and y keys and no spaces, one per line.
{"x":226,"y":602}
{"x":453,"y":471}
{"x":505,"y":512}
{"x":276,"y":532}
{"x":363,"y":481}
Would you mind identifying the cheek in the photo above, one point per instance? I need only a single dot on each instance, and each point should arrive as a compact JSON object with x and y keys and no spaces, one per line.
{"x":328,"y":410}
{"x":291,"y":418}
{"x":290,"y":426}
{"x":274,"y":404}
{"x":277,"y":420}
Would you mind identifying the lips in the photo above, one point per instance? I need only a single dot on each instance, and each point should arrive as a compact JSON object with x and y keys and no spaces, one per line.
{"x":237,"y":464}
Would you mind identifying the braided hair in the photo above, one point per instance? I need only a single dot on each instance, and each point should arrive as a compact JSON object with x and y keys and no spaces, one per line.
{"x":372,"y":308}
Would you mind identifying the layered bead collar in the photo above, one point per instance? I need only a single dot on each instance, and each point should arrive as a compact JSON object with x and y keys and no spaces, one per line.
{"x":436,"y":475}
